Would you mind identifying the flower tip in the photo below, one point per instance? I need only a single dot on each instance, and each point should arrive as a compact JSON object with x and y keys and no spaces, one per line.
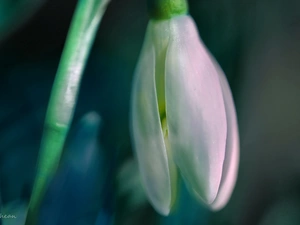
{"x":162,"y":205}
{"x":219,"y":204}
{"x":227,"y":186}
{"x":206,"y":197}
{"x":162,"y":209}
{"x":217,"y":207}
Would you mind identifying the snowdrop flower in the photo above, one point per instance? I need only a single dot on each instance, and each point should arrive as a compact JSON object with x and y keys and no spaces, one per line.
{"x":182,"y":113}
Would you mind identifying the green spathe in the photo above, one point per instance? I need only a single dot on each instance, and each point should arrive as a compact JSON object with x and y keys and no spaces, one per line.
{"x":166,"y":9}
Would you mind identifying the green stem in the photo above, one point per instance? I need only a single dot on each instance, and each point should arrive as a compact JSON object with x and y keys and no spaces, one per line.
{"x":63,"y":99}
{"x":166,"y":9}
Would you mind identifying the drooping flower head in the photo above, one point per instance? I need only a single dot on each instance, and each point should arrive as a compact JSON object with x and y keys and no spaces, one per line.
{"x":182,"y":113}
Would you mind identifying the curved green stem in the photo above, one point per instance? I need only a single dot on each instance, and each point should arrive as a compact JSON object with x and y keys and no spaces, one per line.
{"x":63,"y":99}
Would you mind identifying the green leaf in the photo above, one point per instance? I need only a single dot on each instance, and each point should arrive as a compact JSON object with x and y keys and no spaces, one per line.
{"x":63,"y":99}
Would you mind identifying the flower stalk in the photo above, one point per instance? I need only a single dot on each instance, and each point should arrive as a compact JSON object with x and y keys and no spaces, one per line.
{"x":166,"y":9}
{"x":63,"y":98}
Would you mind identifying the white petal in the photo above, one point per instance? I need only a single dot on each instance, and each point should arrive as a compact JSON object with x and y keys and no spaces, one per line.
{"x":147,"y":133}
{"x":160,"y":33}
{"x":195,"y":110}
{"x":230,"y":167}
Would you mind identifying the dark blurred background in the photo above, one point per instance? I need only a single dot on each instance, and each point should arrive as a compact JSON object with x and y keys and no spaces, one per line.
{"x":256,"y":42}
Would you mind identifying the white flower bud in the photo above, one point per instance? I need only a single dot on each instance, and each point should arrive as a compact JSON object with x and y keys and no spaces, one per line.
{"x":183,"y":117}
